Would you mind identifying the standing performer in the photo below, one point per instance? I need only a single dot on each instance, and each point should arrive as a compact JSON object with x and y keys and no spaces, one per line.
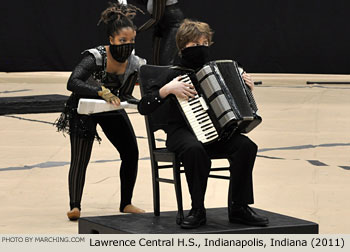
{"x":193,"y":40}
{"x":166,"y":17}
{"x":109,"y":73}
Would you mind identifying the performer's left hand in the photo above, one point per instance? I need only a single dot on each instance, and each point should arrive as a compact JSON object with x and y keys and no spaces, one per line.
{"x":248,"y":80}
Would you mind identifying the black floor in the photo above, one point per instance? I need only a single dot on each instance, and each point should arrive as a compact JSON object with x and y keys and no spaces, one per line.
{"x":217,"y":223}
{"x":32,"y":104}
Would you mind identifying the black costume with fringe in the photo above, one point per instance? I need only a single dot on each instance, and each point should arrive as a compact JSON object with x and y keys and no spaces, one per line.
{"x":84,"y":82}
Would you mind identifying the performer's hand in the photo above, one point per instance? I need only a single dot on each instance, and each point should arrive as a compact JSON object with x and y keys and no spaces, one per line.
{"x":248,"y":80}
{"x":179,"y":88}
{"x":108,"y":96}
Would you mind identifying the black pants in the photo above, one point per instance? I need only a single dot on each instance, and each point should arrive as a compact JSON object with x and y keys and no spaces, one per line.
{"x":119,"y":131}
{"x":164,"y":45}
{"x":241,"y":152}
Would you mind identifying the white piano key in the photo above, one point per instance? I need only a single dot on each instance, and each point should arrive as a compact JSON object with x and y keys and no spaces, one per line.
{"x":195,"y":111}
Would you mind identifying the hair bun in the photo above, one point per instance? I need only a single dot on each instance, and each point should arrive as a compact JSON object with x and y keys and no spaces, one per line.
{"x":117,"y":11}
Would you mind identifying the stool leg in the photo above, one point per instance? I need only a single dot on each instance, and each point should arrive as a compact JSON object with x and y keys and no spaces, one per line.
{"x":155,"y":182}
{"x":229,"y":196}
{"x":178,"y":191}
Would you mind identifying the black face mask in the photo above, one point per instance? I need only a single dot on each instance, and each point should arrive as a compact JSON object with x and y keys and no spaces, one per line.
{"x":121,"y":52}
{"x":195,"y":56}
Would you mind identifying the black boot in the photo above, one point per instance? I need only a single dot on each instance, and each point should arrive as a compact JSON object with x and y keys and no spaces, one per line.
{"x":195,"y":218}
{"x":244,"y":214}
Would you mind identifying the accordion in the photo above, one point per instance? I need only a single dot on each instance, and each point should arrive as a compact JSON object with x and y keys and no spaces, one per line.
{"x":224,"y":103}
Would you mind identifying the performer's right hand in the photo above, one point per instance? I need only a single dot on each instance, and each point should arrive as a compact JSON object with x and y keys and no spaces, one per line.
{"x":108,"y":96}
{"x":179,"y":88}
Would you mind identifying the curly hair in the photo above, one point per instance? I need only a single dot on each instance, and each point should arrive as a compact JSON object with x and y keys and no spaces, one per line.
{"x":118,"y":16}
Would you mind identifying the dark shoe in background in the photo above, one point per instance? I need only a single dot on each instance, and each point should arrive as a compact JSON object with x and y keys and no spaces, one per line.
{"x":195,"y":218}
{"x":244,"y":214}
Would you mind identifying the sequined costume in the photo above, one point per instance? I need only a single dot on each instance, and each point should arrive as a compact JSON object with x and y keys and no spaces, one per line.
{"x":84,"y":82}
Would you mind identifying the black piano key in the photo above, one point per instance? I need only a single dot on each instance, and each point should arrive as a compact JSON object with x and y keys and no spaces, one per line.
{"x":197,"y":107}
{"x":198,"y":110}
{"x":193,"y":102}
{"x":200,"y":121}
{"x":210,"y":133}
{"x":212,"y":136}
{"x":204,"y":113}
{"x":205,"y":125}
{"x":202,"y":117}
{"x":208,"y":128}
{"x":191,"y":99}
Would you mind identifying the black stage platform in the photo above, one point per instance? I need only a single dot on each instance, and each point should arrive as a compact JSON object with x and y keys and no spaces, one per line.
{"x":32,"y":104}
{"x":217,"y":223}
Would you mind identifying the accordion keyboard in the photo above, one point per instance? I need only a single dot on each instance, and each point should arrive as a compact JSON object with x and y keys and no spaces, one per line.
{"x":195,"y":111}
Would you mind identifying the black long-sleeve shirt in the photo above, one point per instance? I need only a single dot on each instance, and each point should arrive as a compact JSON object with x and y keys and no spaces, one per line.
{"x":88,"y":76}
{"x":78,"y":81}
{"x":165,"y":112}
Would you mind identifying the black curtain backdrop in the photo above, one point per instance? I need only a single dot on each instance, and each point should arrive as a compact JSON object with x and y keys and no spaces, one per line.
{"x":277,"y":36}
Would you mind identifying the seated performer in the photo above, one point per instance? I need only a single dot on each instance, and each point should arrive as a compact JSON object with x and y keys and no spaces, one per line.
{"x":193,"y":40}
{"x":109,"y":73}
